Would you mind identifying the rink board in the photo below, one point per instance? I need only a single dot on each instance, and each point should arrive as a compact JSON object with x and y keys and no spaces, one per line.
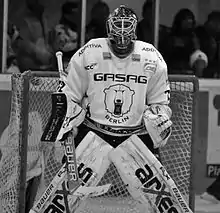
{"x":202,"y":206}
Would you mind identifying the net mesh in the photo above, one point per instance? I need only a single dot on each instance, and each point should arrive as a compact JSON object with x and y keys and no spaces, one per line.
{"x":176,"y":155}
{"x":11,"y":159}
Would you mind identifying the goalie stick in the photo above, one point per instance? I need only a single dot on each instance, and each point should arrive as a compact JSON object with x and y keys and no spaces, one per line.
{"x":82,"y":191}
{"x":52,"y":128}
{"x":69,"y":146}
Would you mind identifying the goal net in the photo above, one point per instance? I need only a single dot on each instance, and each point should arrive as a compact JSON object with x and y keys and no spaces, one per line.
{"x":25,"y":157}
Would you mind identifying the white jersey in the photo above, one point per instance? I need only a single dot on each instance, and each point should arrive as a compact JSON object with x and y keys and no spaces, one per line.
{"x":117,"y":90}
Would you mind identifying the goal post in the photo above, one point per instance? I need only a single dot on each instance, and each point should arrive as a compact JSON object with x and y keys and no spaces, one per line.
{"x":25,"y":157}
{"x":181,"y":148}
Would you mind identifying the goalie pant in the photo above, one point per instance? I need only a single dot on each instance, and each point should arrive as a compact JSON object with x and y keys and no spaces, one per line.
{"x":113,"y":140}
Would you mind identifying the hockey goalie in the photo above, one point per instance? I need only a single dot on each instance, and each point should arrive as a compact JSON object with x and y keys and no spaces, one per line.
{"x":117,"y":87}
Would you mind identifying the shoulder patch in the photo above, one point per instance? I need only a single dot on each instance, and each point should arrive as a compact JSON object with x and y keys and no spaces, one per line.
{"x":150,"y":66}
{"x":106,"y":55}
{"x":136,"y":57}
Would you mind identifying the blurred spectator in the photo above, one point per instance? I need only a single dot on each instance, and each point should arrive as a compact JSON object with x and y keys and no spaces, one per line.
{"x":209,"y":37}
{"x":97,"y":26}
{"x":181,"y":44}
{"x":64,"y":37}
{"x":33,"y":50}
{"x":164,"y":33}
{"x":145,"y":28}
{"x":198,"y":63}
{"x":12,"y":42}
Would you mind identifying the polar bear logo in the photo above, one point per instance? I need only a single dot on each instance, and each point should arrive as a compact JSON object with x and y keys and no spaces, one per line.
{"x":118,"y":99}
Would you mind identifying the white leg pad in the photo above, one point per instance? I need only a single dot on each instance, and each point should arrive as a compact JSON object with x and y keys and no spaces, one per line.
{"x":92,"y":162}
{"x":92,"y":159}
{"x":147,"y":180}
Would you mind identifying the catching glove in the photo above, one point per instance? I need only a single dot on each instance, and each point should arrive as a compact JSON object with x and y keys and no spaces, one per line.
{"x":158,"y":123}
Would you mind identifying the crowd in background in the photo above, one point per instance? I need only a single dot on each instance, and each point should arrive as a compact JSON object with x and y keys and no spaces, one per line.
{"x":188,"y":48}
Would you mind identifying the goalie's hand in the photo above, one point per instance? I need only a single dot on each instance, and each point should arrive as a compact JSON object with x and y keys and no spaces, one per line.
{"x":73,"y":133}
{"x":60,"y":144}
{"x":158,"y":127}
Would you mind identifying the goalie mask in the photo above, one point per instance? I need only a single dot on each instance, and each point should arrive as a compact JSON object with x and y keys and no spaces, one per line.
{"x":121,"y":30}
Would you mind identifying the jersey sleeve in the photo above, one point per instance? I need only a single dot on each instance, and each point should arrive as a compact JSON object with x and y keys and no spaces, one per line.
{"x":74,"y":82}
{"x":158,"y":91}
